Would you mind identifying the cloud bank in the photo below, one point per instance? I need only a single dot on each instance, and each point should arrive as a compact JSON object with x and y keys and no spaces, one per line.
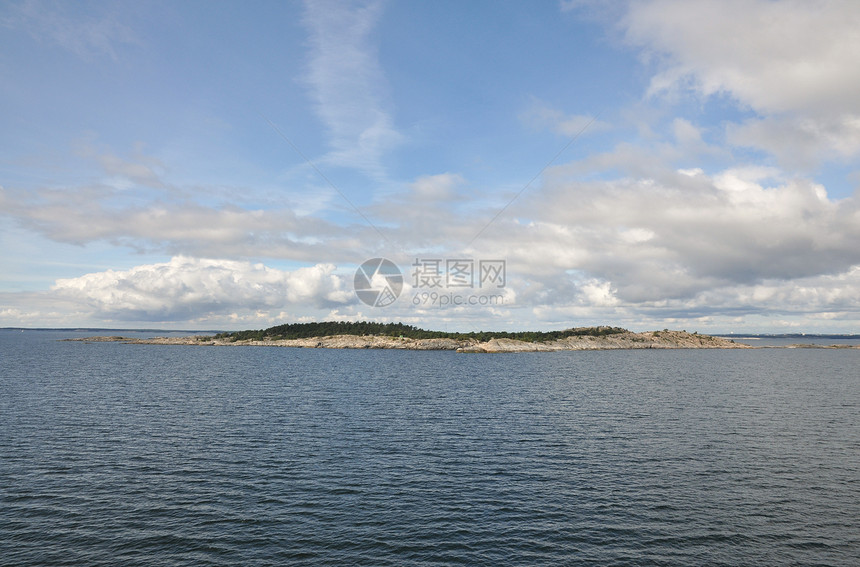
{"x":192,"y":288}
{"x":684,"y":245}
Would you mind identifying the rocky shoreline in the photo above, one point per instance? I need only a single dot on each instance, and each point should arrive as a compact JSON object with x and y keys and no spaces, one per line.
{"x":618,"y":341}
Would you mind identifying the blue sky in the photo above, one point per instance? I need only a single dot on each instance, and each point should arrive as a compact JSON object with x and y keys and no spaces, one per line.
{"x":228,"y":165}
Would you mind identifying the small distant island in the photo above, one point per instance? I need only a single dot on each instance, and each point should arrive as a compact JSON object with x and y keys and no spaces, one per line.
{"x":369,"y":335}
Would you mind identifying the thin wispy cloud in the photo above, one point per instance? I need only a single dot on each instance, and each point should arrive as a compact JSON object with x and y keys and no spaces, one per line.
{"x":540,"y":115}
{"x":58,"y":23}
{"x":348,"y":85}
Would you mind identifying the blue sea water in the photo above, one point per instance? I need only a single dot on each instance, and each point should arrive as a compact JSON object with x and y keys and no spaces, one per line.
{"x":789,"y":341}
{"x":114,"y":454}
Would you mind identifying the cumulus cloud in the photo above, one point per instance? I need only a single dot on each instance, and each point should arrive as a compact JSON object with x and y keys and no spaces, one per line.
{"x":647,"y":240}
{"x":656,"y":241}
{"x":831,"y":295}
{"x":734,"y":241}
{"x":774,"y":56}
{"x":188,"y":288}
{"x":791,"y":62}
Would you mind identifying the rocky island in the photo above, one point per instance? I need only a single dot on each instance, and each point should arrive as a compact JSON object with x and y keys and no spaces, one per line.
{"x":342,"y":335}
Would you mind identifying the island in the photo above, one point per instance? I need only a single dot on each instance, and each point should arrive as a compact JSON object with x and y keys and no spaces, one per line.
{"x":369,"y":335}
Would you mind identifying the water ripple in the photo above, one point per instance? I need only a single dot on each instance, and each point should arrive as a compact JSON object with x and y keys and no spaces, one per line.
{"x":118,"y":454}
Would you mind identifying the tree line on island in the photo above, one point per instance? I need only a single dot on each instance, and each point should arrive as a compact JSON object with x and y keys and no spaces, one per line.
{"x":365,"y":328}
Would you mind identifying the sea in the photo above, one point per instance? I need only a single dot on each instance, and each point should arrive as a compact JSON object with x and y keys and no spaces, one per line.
{"x":117,"y":454}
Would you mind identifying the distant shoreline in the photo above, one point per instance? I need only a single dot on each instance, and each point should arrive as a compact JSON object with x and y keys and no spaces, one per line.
{"x":626,"y":340}
{"x":116,"y":331}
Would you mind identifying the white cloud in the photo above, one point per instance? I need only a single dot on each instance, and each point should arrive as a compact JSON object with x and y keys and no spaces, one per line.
{"x":774,"y":56}
{"x":824,"y":297}
{"x":685,"y":132}
{"x":679,"y":236}
{"x":658,"y":227}
{"x":348,"y":85}
{"x":801,"y":142}
{"x":140,"y":169}
{"x":599,"y":294}
{"x":186,"y":288}
{"x":711,"y":244}
{"x":97,"y":213}
{"x":792,"y":62}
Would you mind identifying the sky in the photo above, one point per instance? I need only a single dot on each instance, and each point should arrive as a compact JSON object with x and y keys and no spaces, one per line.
{"x":521,"y":165}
